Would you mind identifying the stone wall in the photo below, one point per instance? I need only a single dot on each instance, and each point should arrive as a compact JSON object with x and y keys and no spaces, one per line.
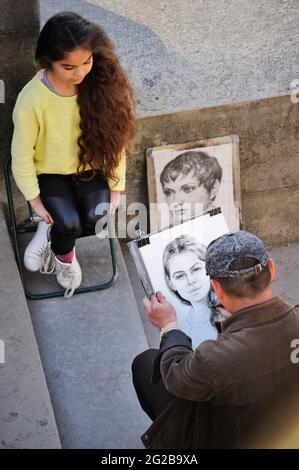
{"x":19,"y":29}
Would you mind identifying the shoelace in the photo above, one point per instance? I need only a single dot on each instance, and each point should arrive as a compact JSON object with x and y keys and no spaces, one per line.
{"x":48,"y":261}
{"x":67,"y":273}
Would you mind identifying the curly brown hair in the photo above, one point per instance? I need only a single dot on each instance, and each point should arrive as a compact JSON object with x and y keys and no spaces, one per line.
{"x":105,"y":97}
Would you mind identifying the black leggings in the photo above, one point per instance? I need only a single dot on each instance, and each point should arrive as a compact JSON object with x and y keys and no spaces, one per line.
{"x":72,"y":204}
{"x":153,"y":398}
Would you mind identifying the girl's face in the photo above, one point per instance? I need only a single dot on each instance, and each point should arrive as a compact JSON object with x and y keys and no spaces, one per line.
{"x":185,"y":189}
{"x":188,"y":276}
{"x":73,"y":67}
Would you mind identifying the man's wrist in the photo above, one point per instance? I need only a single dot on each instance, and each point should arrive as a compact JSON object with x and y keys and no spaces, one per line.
{"x":173,"y":325}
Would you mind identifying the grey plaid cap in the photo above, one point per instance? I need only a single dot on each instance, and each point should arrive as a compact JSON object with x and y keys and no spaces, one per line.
{"x":227,"y":248}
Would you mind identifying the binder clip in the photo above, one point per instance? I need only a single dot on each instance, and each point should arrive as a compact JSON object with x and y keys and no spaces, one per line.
{"x":215,"y":211}
{"x":142,"y":238}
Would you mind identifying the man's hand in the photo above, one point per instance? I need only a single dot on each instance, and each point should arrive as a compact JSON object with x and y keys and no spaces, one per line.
{"x":159,"y":311}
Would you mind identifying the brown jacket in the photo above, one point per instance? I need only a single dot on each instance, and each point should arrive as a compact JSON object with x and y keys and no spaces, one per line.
{"x":234,"y":391}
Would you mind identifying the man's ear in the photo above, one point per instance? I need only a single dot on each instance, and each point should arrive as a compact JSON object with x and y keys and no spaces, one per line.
{"x":214,"y":190}
{"x":272,"y":269}
{"x":217,"y":288}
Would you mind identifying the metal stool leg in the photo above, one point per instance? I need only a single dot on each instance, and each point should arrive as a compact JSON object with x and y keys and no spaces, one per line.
{"x":30,"y":225}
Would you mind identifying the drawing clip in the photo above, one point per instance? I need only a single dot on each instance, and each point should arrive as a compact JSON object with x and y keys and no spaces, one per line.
{"x":215,"y":211}
{"x":142,"y":238}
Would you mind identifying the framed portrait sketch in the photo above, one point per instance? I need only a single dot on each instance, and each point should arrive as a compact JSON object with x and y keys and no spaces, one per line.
{"x":187,"y":180}
{"x":173,"y":261}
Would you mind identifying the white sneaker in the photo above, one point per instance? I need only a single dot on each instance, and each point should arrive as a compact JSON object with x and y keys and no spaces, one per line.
{"x":38,"y":255}
{"x":68,"y":275}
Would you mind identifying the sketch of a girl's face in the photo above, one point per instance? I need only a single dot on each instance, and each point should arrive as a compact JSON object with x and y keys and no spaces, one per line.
{"x":185,"y":189}
{"x":188,"y":276}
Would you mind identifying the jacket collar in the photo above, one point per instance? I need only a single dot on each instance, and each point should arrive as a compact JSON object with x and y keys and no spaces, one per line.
{"x":256,"y":314}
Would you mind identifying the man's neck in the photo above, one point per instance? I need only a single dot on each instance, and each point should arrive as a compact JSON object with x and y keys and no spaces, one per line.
{"x":238,"y":304}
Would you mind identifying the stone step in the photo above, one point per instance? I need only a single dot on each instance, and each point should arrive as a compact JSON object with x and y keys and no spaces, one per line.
{"x":87,"y":344}
{"x":26,"y":416}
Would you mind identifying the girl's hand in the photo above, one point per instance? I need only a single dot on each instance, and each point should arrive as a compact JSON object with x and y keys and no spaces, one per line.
{"x":114,"y":201}
{"x":44,"y":214}
{"x":40,"y":210}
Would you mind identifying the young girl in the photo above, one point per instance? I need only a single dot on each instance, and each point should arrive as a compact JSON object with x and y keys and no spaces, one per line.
{"x":73,"y":122}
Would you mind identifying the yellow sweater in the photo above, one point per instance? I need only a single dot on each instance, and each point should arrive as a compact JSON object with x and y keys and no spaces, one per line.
{"x":46,"y":129}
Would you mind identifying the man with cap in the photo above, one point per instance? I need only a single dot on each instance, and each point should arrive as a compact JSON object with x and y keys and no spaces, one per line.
{"x":239,"y":390}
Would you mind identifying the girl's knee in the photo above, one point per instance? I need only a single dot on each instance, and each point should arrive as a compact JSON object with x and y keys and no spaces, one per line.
{"x":71,"y":226}
{"x":91,"y":219}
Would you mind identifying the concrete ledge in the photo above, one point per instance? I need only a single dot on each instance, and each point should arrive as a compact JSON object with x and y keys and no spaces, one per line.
{"x":26,"y":415}
{"x":273,"y":214}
